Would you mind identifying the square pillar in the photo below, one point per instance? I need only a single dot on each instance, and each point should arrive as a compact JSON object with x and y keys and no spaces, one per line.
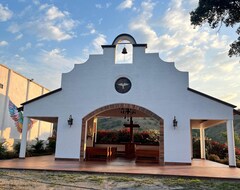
{"x":23,"y":146}
{"x":231,"y":144}
{"x":202,"y":142}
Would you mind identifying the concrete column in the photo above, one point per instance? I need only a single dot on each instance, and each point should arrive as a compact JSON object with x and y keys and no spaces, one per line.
{"x":95,"y":130}
{"x":27,"y":97}
{"x":231,"y":144}
{"x":5,"y":109}
{"x":23,"y":146}
{"x":202,"y":142}
{"x":39,"y":122}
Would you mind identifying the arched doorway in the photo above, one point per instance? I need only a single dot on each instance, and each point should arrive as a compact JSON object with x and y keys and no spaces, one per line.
{"x":112,"y":108}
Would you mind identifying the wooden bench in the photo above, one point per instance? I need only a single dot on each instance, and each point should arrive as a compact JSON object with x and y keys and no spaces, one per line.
{"x":97,"y":153}
{"x":147,"y":156}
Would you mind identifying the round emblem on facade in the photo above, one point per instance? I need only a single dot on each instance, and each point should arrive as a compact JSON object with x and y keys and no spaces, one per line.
{"x":123,"y":85}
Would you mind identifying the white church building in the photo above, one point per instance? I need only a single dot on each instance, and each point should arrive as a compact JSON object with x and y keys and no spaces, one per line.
{"x":132,"y":80}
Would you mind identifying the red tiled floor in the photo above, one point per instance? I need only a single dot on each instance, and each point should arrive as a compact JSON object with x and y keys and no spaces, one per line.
{"x":199,"y":168}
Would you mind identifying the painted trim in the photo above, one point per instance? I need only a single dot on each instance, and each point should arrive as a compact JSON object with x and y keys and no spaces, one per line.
{"x":114,"y":46}
{"x":67,"y":159}
{"x":42,"y":96}
{"x":122,"y":36}
{"x":140,"y":45}
{"x":212,"y":98}
{"x":178,"y":163}
{"x":108,"y":46}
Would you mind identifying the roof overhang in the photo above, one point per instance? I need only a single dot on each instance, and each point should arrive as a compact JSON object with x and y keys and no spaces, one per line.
{"x":212,"y":98}
{"x":42,"y":96}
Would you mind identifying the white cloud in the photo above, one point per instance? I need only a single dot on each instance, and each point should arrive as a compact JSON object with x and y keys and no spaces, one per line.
{"x":3,"y":43}
{"x":99,"y":6}
{"x":53,"y":13}
{"x":54,"y":63}
{"x":98,"y":41}
{"x":18,"y":37}
{"x":26,"y":46}
{"x":14,"y":28}
{"x":36,"y":2}
{"x":5,"y":13}
{"x":229,"y":97}
{"x":95,"y":46}
{"x":90,"y":26}
{"x":49,"y":23}
{"x":127,"y":4}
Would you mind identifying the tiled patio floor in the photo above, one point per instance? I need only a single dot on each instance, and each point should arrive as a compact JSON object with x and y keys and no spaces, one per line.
{"x":199,"y":168}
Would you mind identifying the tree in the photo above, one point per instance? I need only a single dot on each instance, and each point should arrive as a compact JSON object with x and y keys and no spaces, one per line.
{"x":216,"y":13}
{"x":236,"y":138}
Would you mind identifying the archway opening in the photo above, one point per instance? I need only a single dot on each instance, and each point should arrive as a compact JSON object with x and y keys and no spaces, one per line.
{"x":123,"y":130}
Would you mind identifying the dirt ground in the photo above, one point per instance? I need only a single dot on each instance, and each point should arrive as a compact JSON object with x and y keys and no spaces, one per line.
{"x":26,"y":180}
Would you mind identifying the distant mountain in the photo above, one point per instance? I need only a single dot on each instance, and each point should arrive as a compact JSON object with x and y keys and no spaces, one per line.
{"x":215,"y":133}
{"x":117,"y":123}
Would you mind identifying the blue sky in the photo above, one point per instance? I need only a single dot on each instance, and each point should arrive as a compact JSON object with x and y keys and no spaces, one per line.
{"x":42,"y":39}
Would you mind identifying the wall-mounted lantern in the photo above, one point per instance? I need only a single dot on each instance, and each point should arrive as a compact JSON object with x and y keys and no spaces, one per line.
{"x":175,"y":122}
{"x":70,"y":121}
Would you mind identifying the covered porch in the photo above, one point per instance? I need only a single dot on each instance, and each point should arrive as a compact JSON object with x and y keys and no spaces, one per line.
{"x":202,"y":125}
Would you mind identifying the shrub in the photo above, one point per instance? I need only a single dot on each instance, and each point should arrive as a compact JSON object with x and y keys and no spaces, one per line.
{"x":196,"y":148}
{"x":51,"y":146}
{"x":224,"y":161}
{"x":144,"y":137}
{"x":214,"y":157}
{"x":213,"y":147}
{"x":16,"y":148}
{"x":238,"y":163}
{"x":38,"y":146}
{"x":2,"y":150}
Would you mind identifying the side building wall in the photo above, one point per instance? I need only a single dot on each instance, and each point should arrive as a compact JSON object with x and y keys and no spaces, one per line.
{"x":17,"y":89}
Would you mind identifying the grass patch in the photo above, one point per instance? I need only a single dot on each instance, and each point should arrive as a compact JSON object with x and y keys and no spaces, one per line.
{"x":121,"y":178}
{"x":96,"y":179}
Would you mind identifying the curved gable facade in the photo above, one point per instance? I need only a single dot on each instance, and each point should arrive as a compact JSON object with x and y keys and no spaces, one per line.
{"x":155,"y":85}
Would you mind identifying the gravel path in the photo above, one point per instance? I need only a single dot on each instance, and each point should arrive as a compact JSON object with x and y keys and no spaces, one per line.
{"x":28,"y":180}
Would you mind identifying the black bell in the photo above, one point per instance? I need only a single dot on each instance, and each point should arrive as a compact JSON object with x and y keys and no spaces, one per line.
{"x":124,"y":51}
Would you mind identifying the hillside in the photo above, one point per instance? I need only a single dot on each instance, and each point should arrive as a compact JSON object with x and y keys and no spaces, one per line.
{"x":215,"y":133}
{"x":117,"y":123}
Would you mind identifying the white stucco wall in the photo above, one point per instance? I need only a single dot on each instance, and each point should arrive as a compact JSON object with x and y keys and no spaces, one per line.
{"x":156,"y":85}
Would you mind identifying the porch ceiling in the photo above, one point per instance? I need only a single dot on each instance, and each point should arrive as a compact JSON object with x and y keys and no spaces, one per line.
{"x":195,"y":123}
{"x":47,"y":119}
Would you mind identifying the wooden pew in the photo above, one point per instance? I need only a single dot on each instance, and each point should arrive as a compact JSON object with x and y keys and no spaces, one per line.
{"x":151,"y":156}
{"x":94,"y":153}
{"x":103,"y":153}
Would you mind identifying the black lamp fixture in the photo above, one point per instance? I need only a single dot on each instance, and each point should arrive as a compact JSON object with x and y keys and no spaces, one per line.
{"x":175,"y":122}
{"x":124,"y":51}
{"x":70,"y":121}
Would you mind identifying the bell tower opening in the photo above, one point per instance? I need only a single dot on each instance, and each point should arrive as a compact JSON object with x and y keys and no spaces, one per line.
{"x":124,"y":49}
{"x":124,"y":53}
